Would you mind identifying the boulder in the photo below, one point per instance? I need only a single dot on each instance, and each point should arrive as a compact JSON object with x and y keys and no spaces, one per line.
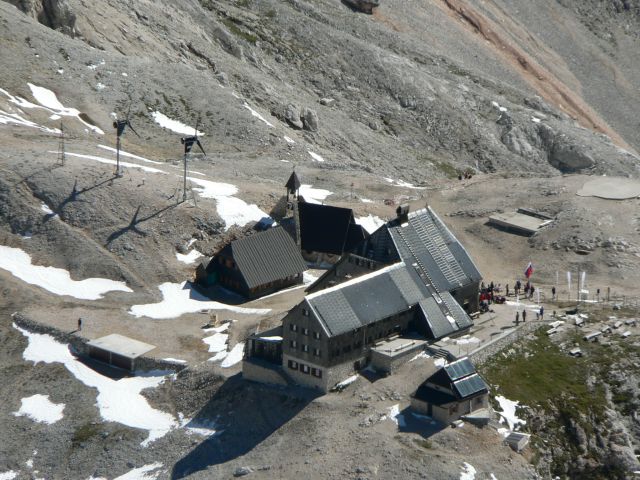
{"x":364,"y":6}
{"x":566,"y":156}
{"x":292,"y":116}
{"x":310,"y":119}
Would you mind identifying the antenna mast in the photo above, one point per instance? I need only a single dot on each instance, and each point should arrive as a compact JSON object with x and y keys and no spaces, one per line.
{"x":120,"y":125}
{"x":188,"y":143}
{"x":62,"y":156}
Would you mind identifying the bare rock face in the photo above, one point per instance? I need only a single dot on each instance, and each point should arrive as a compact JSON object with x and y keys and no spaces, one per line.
{"x":364,"y":6}
{"x":228,"y":42}
{"x":310,"y":119}
{"x":292,"y":116}
{"x":54,"y":14}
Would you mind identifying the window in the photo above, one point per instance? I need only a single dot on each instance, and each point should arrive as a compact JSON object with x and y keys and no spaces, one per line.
{"x":293,"y":327}
{"x":293,"y":344}
{"x":317,"y":352}
{"x":316,"y":335}
{"x":305,"y":331}
{"x":293,"y":365}
{"x":316,"y":372}
{"x":304,"y":368}
{"x":305,"y":348}
{"x":305,"y":312}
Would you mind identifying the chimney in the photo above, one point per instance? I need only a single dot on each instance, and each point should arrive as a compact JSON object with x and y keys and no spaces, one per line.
{"x":402,"y":213}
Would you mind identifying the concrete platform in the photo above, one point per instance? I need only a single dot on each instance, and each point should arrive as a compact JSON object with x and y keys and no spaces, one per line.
{"x":519,"y":222}
{"x":611,"y":188}
{"x":118,"y":350}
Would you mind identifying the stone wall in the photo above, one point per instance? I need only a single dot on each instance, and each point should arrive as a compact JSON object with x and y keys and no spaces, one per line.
{"x":482,"y":354}
{"x":258,"y":373}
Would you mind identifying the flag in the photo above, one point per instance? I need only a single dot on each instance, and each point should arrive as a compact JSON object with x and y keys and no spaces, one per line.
{"x":528,"y":271}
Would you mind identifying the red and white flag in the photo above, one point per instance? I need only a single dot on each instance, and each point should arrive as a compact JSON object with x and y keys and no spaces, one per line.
{"x":528,"y":271}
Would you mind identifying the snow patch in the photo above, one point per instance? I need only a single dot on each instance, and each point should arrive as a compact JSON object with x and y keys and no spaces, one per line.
{"x":370,"y":223}
{"x":40,"y":409}
{"x":10,"y":475}
{"x":181,"y":298}
{"x":232,"y":210}
{"x":439,"y":362}
{"x":45,"y":208}
{"x":127,"y":154}
{"x":314,"y":195}
{"x":419,"y":356}
{"x":466,"y":339}
{"x":147,"y":472}
{"x":257,"y":115}
{"x":120,"y":400}
{"x":174,"y":360}
{"x":234,"y":356}
{"x":190,"y":257}
{"x":173,"y":125}
{"x":395,"y":416}
{"x":347,"y":381}
{"x":55,"y":280}
{"x":509,"y":412}
{"x":49,"y":100}
{"x":113,"y":162}
{"x":15,"y":119}
{"x":289,"y":140}
{"x":366,"y":200}
{"x":315,"y":156}
{"x":468,"y":472}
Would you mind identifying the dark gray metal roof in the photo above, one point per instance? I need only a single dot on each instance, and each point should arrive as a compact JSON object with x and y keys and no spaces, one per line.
{"x":424,"y":239}
{"x":267,"y":256}
{"x":469,"y":386}
{"x":444,"y":315}
{"x":366,"y":299}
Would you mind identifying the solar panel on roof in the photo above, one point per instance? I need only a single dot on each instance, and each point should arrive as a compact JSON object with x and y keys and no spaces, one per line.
{"x":470,"y":385}
{"x":459,"y":369}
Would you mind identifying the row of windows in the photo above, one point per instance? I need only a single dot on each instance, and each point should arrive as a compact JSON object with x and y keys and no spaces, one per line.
{"x":363,"y":262}
{"x":305,"y":331}
{"x":305,"y":348}
{"x":358,"y":343}
{"x":316,"y":372}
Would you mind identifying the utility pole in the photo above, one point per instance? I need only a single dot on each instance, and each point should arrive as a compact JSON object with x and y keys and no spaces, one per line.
{"x":62,"y":156}
{"x":188,"y":143}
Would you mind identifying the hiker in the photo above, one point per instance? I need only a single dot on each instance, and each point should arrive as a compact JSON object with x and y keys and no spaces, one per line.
{"x":506,"y":287}
{"x":541,"y":313}
{"x":553,"y":293}
{"x":517,"y":318}
{"x":79,"y":323}
{"x":524,"y":316}
{"x":526,"y":290}
{"x":531,"y":290}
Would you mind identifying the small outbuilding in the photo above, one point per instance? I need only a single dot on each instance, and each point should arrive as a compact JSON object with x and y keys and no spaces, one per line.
{"x":452,"y":392}
{"x":118,"y":350}
{"x":256,"y":265}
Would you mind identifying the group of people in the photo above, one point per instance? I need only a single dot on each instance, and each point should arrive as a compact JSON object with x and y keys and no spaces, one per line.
{"x":528,"y":289}
{"x":490,"y":294}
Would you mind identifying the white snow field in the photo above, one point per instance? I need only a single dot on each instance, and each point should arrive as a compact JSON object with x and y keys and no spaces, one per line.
{"x":118,"y":400}
{"x":174,"y":125}
{"x":9,"y":475}
{"x":468,"y":472}
{"x":181,"y":298}
{"x":315,"y":157}
{"x":40,"y":409}
{"x":55,"y":280}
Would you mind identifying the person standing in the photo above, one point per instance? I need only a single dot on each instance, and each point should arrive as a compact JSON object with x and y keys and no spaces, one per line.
{"x":524,"y":316}
{"x":541,"y":312}
{"x":506,"y":290}
{"x":517,"y":318}
{"x":79,"y":323}
{"x":553,"y":293}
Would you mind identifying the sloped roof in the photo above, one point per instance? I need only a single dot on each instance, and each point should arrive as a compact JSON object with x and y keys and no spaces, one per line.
{"x":443,"y":315}
{"x":324,"y":228}
{"x":424,"y":239}
{"x":293,"y":184}
{"x":267,"y":256}
{"x":460,"y":377}
{"x":367,"y":299}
